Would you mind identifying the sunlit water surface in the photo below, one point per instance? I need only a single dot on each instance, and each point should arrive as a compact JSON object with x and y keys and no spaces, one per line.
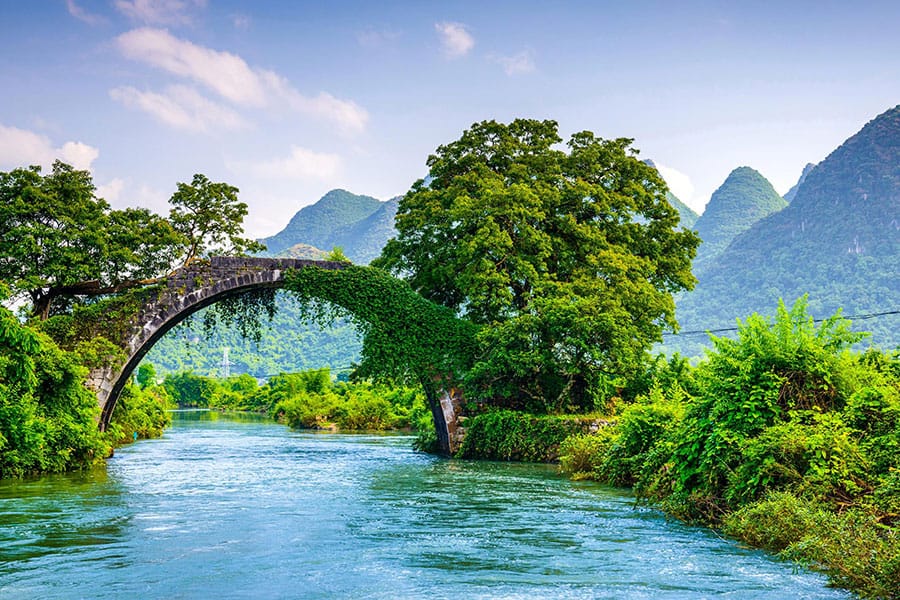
{"x":237,"y":507}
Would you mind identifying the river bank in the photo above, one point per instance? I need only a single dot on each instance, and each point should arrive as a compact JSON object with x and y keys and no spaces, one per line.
{"x":785,"y":438}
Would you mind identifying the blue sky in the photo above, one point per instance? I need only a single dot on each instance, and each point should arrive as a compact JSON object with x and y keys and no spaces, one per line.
{"x":289,"y":99}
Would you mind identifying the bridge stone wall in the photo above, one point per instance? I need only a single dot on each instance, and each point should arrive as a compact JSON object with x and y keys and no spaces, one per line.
{"x":204,"y":283}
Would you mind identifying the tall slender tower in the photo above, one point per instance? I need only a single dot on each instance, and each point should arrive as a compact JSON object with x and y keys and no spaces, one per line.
{"x":226,"y":364}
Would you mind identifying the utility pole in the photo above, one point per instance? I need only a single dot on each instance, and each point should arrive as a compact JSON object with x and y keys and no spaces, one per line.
{"x":226,"y":364}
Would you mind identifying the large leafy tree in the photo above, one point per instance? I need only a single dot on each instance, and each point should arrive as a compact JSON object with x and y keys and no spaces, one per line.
{"x":568,"y":258}
{"x":59,"y":242}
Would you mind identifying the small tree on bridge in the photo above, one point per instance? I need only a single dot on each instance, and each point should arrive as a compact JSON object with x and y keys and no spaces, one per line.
{"x":210,"y":219}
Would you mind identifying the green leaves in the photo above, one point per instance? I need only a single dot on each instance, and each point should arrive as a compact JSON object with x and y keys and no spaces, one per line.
{"x":568,"y":259}
{"x":405,"y":337}
{"x":59,"y":242}
{"x":210,"y":219}
{"x":47,"y":416}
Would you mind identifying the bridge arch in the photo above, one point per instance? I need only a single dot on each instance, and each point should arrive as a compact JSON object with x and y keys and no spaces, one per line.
{"x":204,"y":283}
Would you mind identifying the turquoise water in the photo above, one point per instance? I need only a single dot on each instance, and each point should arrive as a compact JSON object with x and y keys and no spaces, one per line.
{"x":224,"y":507}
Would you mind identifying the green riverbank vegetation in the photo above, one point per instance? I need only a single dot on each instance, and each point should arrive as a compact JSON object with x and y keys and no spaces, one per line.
{"x":784,"y":438}
{"x":69,"y":261}
{"x":308,"y":400}
{"x":48,"y":418}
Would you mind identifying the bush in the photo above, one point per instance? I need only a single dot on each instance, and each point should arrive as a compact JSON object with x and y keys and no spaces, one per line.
{"x":791,"y":442}
{"x":309,"y":400}
{"x":581,"y":455}
{"x":773,"y":523}
{"x":855,"y":550}
{"x":641,"y":427}
{"x":48,"y":419}
{"x":141,"y":411}
{"x":510,"y":435}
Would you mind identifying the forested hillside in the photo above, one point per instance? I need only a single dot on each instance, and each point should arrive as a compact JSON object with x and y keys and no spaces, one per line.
{"x":743,"y":199}
{"x":838,"y":241}
{"x":317,"y":223}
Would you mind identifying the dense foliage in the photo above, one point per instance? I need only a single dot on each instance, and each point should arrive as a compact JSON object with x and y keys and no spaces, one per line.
{"x":60,"y":244}
{"x":784,"y":436}
{"x":514,"y":435}
{"x":142,"y":412}
{"x":48,"y":419}
{"x":308,"y":400}
{"x":568,"y":259}
{"x":405,"y":337}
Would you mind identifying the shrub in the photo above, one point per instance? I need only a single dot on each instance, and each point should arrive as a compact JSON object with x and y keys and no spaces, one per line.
{"x":773,"y":523}
{"x":141,"y":411}
{"x":510,"y":435}
{"x":580,"y":455}
{"x":855,"y":550}
{"x":641,"y":427}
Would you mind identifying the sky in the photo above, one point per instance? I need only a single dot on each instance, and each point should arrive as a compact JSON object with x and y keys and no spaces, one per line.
{"x":289,"y":99}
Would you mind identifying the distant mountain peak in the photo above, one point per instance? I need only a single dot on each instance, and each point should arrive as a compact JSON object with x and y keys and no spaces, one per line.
{"x":838,"y":241}
{"x":793,"y":191}
{"x":359,"y":225}
{"x":687,"y":216}
{"x":316,"y":223}
{"x":744,"y":198}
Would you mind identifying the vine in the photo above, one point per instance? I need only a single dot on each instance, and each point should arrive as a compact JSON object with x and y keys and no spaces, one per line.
{"x":244,"y":312}
{"x":405,"y":337}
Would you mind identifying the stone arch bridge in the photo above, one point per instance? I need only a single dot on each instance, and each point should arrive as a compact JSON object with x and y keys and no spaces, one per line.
{"x":203,"y":283}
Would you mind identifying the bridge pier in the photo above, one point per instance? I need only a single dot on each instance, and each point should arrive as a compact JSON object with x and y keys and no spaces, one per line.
{"x":446,"y":406}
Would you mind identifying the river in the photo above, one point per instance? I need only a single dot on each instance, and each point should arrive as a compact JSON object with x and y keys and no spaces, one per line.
{"x":238,"y":507}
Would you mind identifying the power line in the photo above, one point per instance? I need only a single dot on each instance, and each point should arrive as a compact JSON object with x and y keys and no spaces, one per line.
{"x":862,"y":317}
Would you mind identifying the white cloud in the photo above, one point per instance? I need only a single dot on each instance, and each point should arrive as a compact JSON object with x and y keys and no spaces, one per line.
{"x":516,"y":64}
{"x":83,"y":15}
{"x":348,"y":115}
{"x":159,"y":12}
{"x":240,"y":21}
{"x":21,"y":148}
{"x":224,"y":73}
{"x":682,"y":186}
{"x":111,"y":190}
{"x":232,"y":78}
{"x":300,"y":164}
{"x":181,"y":107}
{"x":455,"y":39}
{"x":78,"y":154}
{"x":375,"y":38}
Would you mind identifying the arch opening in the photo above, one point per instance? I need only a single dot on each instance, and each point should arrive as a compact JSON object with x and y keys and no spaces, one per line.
{"x":361,"y":294}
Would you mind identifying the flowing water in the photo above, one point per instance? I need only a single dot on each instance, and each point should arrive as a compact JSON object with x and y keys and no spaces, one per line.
{"x":238,"y":507}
